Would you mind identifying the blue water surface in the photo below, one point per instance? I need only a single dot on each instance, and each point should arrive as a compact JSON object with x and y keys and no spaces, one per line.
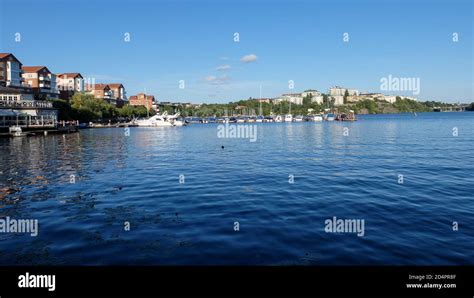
{"x":350,"y":170}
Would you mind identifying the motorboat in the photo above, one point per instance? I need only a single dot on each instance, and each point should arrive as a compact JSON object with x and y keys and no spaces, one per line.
{"x":159,"y":120}
{"x":298,"y":118}
{"x":288,"y":118}
{"x":329,"y":117}
{"x":268,"y":119}
{"x":316,"y":118}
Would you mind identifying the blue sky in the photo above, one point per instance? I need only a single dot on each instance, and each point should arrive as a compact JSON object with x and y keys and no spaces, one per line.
{"x":292,"y":40}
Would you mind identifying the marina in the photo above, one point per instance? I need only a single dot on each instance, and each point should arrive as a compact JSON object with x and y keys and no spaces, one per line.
{"x":272,"y":118}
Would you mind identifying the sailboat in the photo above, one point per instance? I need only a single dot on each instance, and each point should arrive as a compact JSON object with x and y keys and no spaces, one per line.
{"x":289,"y":117}
{"x":260,"y":117}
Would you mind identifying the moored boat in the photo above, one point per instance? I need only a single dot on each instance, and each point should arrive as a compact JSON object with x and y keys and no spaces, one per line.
{"x":298,"y":118}
{"x":329,"y":117}
{"x":159,"y":120}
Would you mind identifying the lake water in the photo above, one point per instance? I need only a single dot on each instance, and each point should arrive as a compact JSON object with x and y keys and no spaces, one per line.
{"x":409,"y":178}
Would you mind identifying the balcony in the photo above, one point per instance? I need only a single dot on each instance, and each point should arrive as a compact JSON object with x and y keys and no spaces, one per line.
{"x":27,"y":104}
{"x":42,"y":78}
{"x":108,"y":95}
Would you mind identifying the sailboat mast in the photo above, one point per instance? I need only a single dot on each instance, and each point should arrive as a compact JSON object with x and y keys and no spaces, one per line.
{"x":146,"y":101}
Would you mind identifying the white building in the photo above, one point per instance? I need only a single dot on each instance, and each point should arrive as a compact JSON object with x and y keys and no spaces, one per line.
{"x":338,"y":100}
{"x":336,"y":90}
{"x":390,"y":98}
{"x":70,"y":82}
{"x":353,"y":92}
{"x":316,"y":96}
{"x":310,"y":92}
{"x":319,"y":99}
{"x":294,"y":98}
{"x":19,"y":108}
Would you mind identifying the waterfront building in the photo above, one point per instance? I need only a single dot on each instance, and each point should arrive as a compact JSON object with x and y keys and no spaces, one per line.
{"x":353,"y":92}
{"x":337,"y":91}
{"x":277,"y":100}
{"x":354,"y":99}
{"x":118,"y":91}
{"x":118,"y":94}
{"x":69,"y":83}
{"x":41,"y":80}
{"x":10,"y":71}
{"x":338,"y":100}
{"x":100,"y":91}
{"x":141,"y":99}
{"x":310,"y":92}
{"x":316,"y":96}
{"x":18,"y":107}
{"x":294,"y":98}
{"x":264,"y":100}
{"x":390,"y":98}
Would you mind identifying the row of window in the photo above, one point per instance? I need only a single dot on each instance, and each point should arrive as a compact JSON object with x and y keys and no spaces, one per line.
{"x":9,"y":97}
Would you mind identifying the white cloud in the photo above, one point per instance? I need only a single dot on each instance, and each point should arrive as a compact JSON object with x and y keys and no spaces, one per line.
{"x":223,"y":67}
{"x":210,"y":78}
{"x":217,"y":80}
{"x":249,"y":58}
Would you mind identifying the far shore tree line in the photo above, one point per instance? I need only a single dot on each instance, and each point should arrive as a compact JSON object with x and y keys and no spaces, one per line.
{"x":85,"y":108}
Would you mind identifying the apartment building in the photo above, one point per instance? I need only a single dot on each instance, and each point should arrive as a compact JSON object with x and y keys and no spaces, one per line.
{"x":69,"y":83}
{"x":41,"y":80}
{"x":141,"y":99}
{"x":100,"y":91}
{"x":294,"y":98}
{"x":337,"y":99}
{"x":118,"y":91}
{"x":10,"y":71}
{"x":340,"y":91}
{"x":316,"y":96}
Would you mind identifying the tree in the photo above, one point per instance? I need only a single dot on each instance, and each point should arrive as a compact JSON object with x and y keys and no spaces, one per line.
{"x":346,"y":94}
{"x":307,"y":99}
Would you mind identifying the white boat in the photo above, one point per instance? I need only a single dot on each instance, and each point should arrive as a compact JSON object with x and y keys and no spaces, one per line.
{"x":330,"y":117}
{"x":298,"y":118}
{"x":317,"y":117}
{"x":16,"y":131}
{"x":159,"y":120}
{"x":259,"y":119}
{"x":288,"y":118}
{"x":278,"y":118}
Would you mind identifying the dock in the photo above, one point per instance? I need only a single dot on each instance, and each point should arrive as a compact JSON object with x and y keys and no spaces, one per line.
{"x":41,"y":132}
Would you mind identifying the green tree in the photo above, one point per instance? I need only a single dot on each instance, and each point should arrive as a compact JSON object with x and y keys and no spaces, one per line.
{"x":346,"y":94}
